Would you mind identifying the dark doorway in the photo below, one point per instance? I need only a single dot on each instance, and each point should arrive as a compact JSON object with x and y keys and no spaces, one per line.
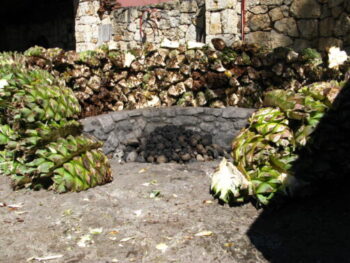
{"x":48,"y":23}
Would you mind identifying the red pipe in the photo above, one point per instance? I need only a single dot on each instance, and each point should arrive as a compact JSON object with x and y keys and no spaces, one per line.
{"x":243,"y":19}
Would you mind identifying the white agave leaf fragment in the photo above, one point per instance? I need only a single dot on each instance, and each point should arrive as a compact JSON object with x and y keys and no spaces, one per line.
{"x":336,"y":57}
{"x":154,"y":101}
{"x":166,"y":43}
{"x":3,"y":83}
{"x":195,"y":45}
{"x":112,"y":45}
{"x":129,"y":58}
{"x":217,"y":66}
{"x":228,"y":180}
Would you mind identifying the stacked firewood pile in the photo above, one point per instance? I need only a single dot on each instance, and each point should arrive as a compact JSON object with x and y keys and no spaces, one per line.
{"x":110,"y":80}
{"x":172,"y":143}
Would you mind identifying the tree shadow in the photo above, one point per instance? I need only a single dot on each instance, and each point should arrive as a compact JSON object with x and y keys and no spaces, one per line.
{"x":48,"y":23}
{"x":314,"y":228}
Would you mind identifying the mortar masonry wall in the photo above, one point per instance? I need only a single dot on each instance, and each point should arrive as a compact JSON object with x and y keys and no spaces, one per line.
{"x":273,"y":23}
{"x":117,"y":128}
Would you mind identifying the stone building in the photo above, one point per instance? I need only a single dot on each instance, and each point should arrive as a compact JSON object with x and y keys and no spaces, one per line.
{"x":78,"y":24}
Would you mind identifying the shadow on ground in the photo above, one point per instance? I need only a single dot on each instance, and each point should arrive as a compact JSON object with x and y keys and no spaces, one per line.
{"x":315,"y":228}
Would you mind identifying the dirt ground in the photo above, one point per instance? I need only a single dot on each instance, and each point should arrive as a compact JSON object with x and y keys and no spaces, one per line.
{"x":127,"y":221}
{"x":124,"y":222}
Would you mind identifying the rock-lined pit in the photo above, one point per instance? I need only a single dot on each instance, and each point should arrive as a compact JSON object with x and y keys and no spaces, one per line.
{"x":172,"y":143}
{"x":118,"y":130}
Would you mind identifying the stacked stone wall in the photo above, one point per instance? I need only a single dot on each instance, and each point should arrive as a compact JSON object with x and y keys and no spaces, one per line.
{"x":88,"y":24}
{"x":222,"y":20}
{"x":299,"y":23}
{"x":271,"y":23}
{"x":180,"y":20}
{"x":116,"y":129}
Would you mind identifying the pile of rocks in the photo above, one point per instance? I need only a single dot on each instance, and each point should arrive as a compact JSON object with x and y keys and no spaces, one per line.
{"x":193,"y":75}
{"x":172,"y":143}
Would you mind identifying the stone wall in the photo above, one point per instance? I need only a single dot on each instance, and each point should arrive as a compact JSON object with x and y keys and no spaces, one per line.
{"x":179,"y":20}
{"x":272,"y":23}
{"x":299,"y":23}
{"x":88,"y":25}
{"x":222,"y":20}
{"x":117,"y":128}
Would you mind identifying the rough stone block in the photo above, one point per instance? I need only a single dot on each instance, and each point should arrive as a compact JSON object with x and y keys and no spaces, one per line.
{"x":141,"y":123}
{"x":259,"y":9}
{"x":188,"y":7}
{"x":342,"y":25}
{"x":90,"y":124}
{"x":229,"y":20}
{"x":300,"y":44}
{"x":185,"y":19}
{"x":288,"y":26}
{"x":150,"y":113}
{"x":261,"y":37}
{"x":174,"y":21}
{"x":280,"y":40}
{"x":273,"y":2}
{"x":188,"y":110}
{"x":169,"y":112}
{"x":121,"y":15}
{"x":211,"y":111}
{"x":276,"y":14}
{"x":134,"y":113}
{"x":185,"y":120}
{"x":124,"y":125}
{"x":215,"y":24}
{"x":336,"y":11}
{"x":333,"y":3}
{"x":325,"y":12}
{"x":100,"y":134}
{"x":224,"y":139}
{"x":111,"y":143}
{"x":207,"y":127}
{"x":306,"y":9}
{"x":119,"y":115}
{"x":326,"y":43}
{"x":259,"y":22}
{"x":151,"y":126}
{"x":308,"y":28}
{"x":89,"y":20}
{"x":239,"y":124}
{"x":106,"y":122}
{"x":236,"y":113}
{"x":208,"y":118}
{"x":327,"y":27}
{"x":213,"y":5}
{"x":225,"y":126}
{"x":191,"y":33}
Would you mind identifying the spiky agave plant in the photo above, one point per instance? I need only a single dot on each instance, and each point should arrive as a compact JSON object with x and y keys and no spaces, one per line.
{"x":40,"y":139}
{"x":265,"y":151}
